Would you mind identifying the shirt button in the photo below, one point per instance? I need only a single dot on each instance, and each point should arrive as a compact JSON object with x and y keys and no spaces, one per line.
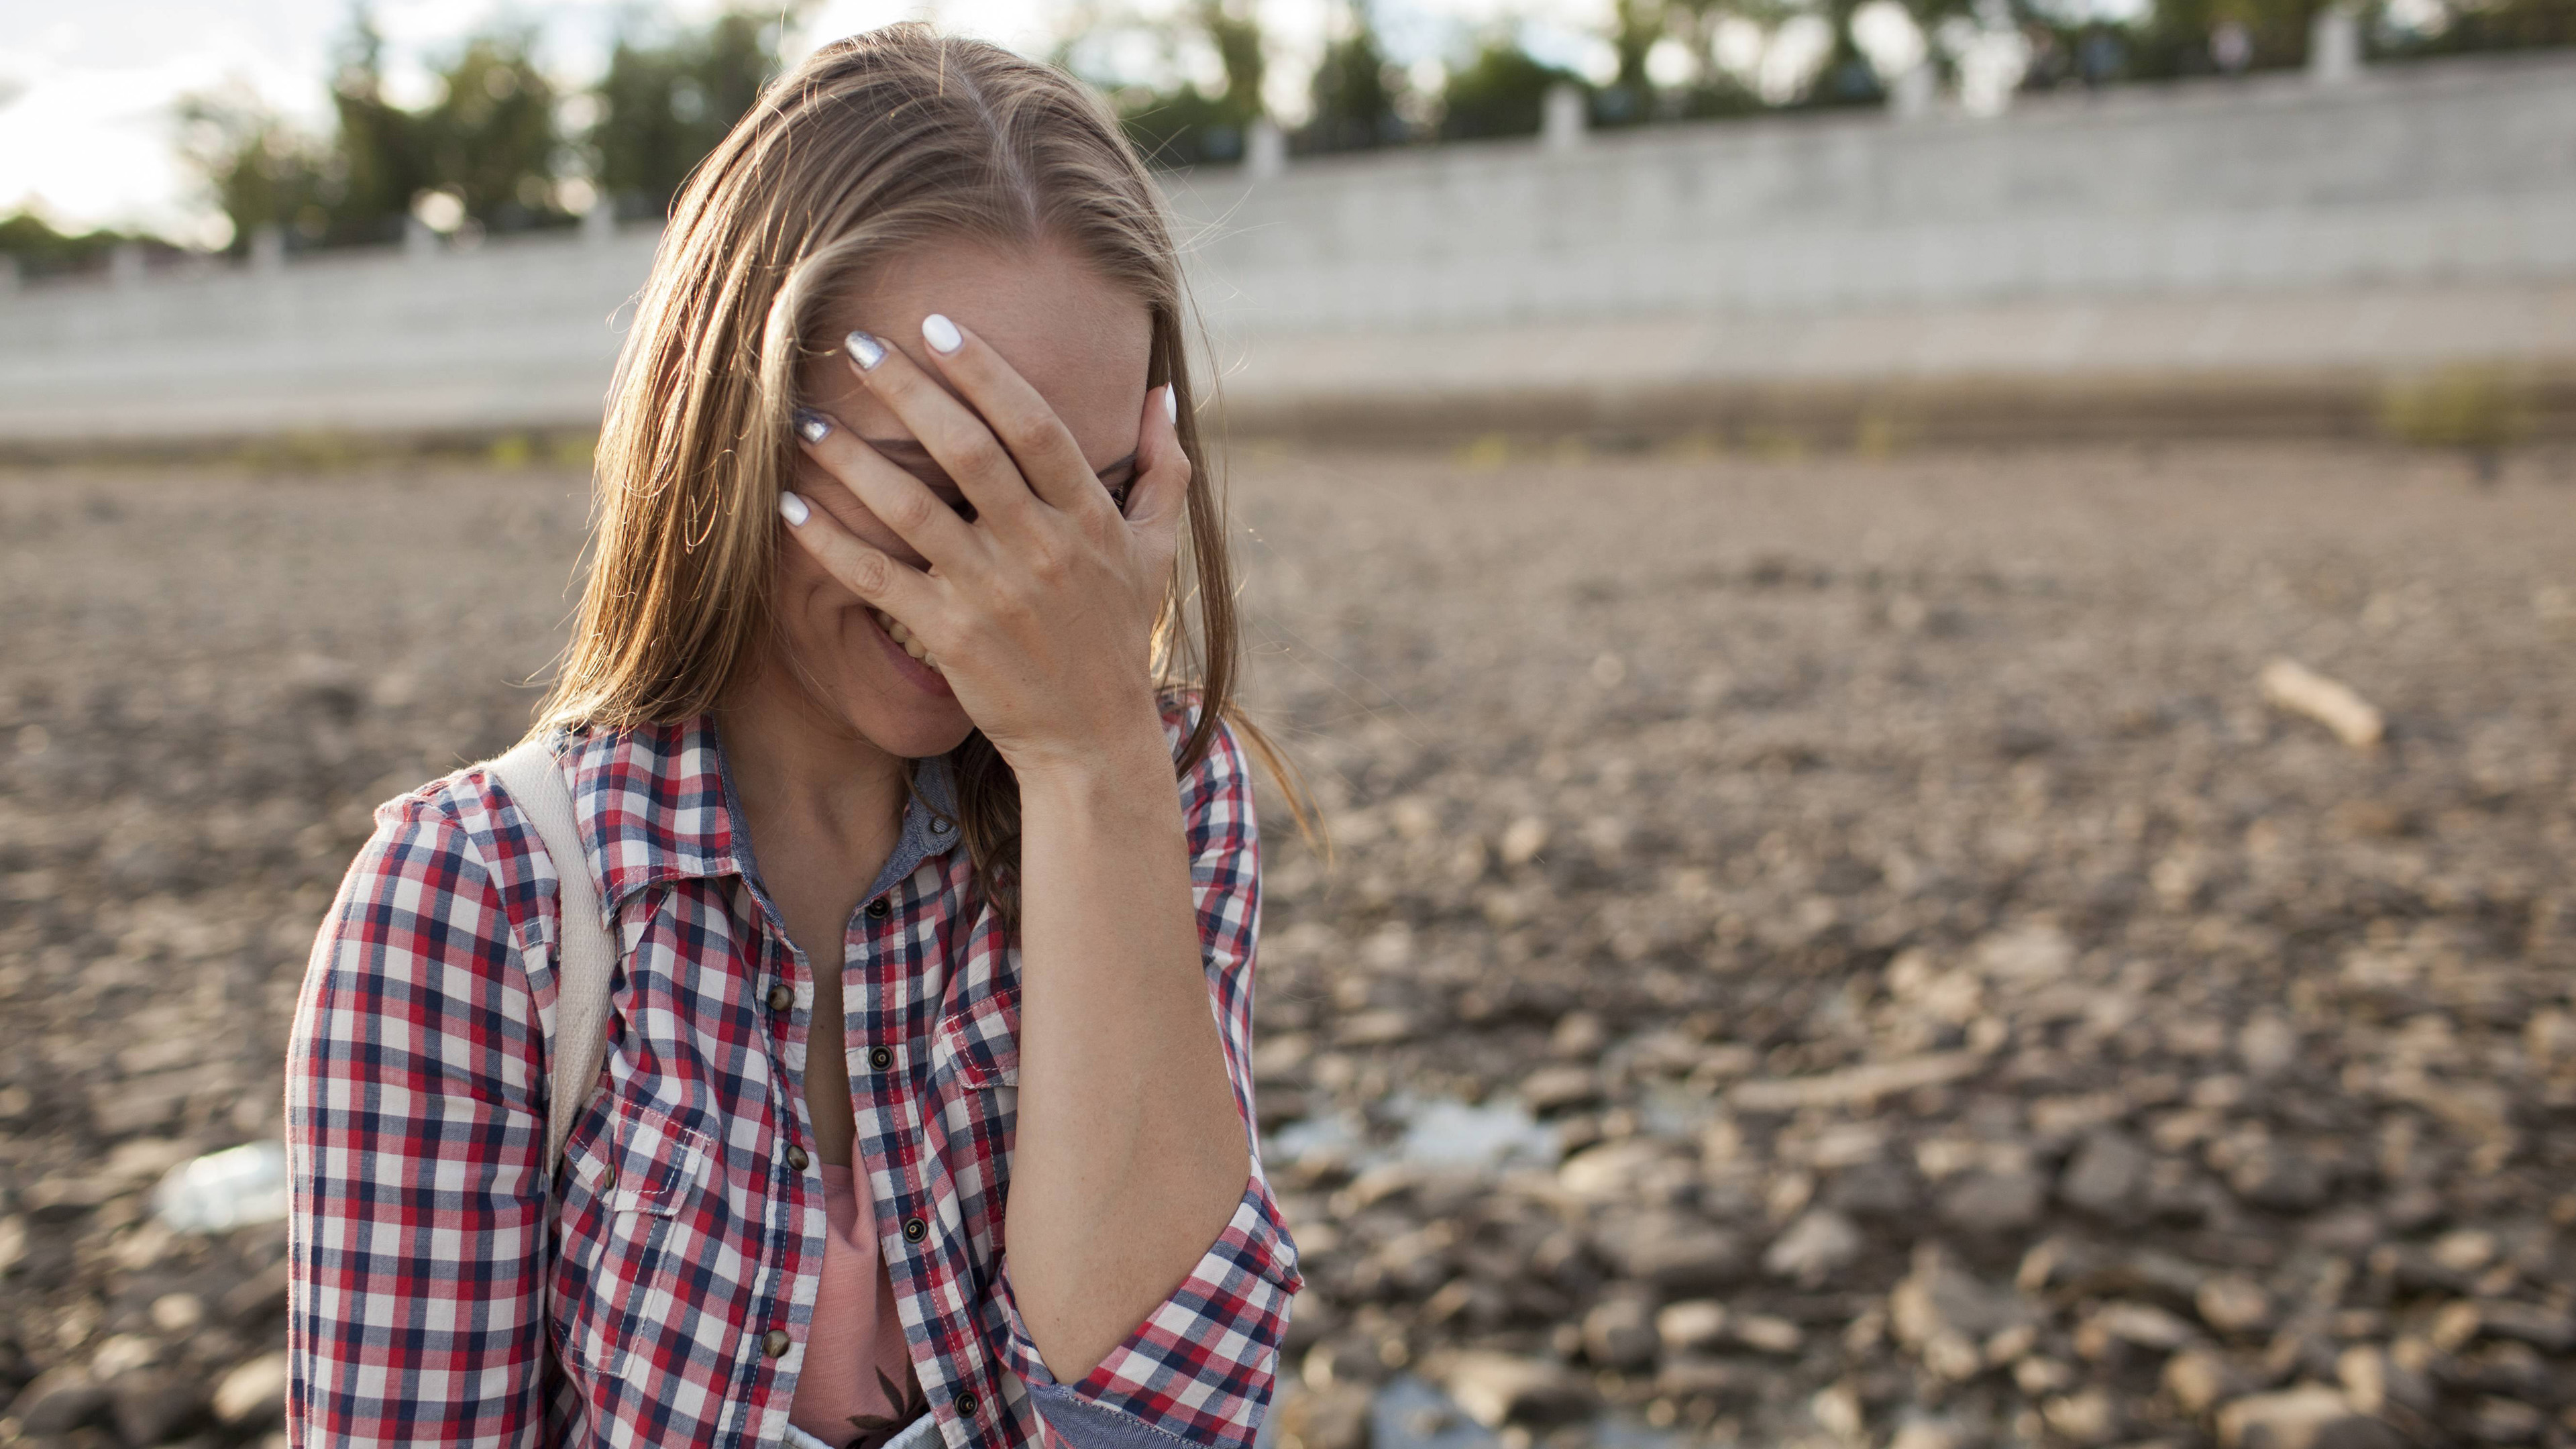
{"x":939,"y":827}
{"x":608,"y":1179}
{"x":914,"y":1230}
{"x":880,"y":1058}
{"x":878,"y":909}
{"x":797,"y":1159}
{"x":966,"y":1406}
{"x":780,"y":998}
{"x":774,"y":1342}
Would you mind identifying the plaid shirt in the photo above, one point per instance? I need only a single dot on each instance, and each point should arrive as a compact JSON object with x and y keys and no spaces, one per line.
{"x":667,"y":1298}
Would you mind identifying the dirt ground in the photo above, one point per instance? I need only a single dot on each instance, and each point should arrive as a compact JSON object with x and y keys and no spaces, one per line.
{"x":1833,"y":951}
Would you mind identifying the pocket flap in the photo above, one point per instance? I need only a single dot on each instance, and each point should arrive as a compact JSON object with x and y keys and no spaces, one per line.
{"x":649,"y":1163}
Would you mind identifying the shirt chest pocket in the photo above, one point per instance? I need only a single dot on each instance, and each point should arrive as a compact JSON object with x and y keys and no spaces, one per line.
{"x":636,"y":1205}
{"x":977,"y":1045}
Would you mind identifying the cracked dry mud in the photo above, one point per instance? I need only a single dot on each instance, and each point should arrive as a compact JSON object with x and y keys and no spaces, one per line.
{"x":1929,"y":997}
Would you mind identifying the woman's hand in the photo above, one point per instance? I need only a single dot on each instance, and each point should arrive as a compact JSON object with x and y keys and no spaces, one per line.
{"x":1040,"y":610}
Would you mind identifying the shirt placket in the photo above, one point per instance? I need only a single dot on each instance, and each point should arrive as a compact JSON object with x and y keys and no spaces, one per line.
{"x":892,"y":1105}
{"x":795,"y":1219}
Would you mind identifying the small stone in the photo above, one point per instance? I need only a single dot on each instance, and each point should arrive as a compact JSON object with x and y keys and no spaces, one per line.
{"x":1917,"y":1432}
{"x":1342,"y":1362}
{"x":178,"y":1314}
{"x":2306,"y":1416}
{"x":2280,"y":1179}
{"x":2198,"y":1379}
{"x":1678,"y":1256}
{"x":1620,"y":1333}
{"x":1560,"y":1088}
{"x":2505,"y":1421}
{"x":1499,"y":1388}
{"x":2143,"y":1324}
{"x":2088,"y":1417}
{"x":2465,"y":1251}
{"x":1692,"y":1325}
{"x":58,"y":1402}
{"x":1579,"y":1036}
{"x":1943,"y":1314}
{"x":1766,"y":1333}
{"x":2233,"y":1304}
{"x":2550,"y":1330}
{"x":151,"y":1405}
{"x":1815,"y":1248}
{"x":258,"y":1298}
{"x":1879,"y":1192}
{"x":2107,"y":1176}
{"x":1994,"y":1203}
{"x":1335,"y":1418}
{"x":254,"y":1393}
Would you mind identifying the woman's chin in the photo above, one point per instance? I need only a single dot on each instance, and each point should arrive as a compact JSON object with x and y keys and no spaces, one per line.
{"x":912,"y":730}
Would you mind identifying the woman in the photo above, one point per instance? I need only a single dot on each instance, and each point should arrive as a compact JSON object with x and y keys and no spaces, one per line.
{"x":866,"y":671}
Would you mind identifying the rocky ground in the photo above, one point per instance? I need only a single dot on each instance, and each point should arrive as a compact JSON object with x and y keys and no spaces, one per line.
{"x":1830,"y":952}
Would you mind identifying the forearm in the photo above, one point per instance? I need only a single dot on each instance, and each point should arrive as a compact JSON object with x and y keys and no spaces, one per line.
{"x":1131,"y":1154}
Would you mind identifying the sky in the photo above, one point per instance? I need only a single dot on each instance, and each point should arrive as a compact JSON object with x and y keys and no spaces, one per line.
{"x":88,"y":137}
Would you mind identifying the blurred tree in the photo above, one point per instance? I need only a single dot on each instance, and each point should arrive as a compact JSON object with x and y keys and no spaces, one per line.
{"x":1635,"y":27}
{"x":262,"y":171}
{"x":490,"y":139}
{"x":1502,"y":92}
{"x":663,"y":107}
{"x":41,"y":251}
{"x":379,"y":159}
{"x":2467,"y":25}
{"x":1355,"y":92}
{"x":1185,"y":126}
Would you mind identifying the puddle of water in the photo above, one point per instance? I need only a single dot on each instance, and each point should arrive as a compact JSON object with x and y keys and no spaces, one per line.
{"x":1445,"y":1132}
{"x":1440,"y":1132}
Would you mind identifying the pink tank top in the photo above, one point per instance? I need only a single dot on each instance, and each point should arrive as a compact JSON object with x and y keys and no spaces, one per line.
{"x":857,"y":1389}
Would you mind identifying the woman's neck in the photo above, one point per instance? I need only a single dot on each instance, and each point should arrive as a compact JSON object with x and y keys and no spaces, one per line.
{"x":805,"y":778}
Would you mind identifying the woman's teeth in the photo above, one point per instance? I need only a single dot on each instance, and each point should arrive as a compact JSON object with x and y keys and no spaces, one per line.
{"x":903,"y":636}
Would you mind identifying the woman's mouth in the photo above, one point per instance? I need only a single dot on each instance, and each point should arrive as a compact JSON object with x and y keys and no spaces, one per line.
{"x":912,"y":657}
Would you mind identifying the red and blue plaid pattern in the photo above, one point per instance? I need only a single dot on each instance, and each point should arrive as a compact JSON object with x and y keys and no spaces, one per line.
{"x":434,"y":1302}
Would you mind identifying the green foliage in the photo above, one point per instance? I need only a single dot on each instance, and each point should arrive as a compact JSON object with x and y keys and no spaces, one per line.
{"x":663,"y":107}
{"x":1355,"y":92}
{"x":2476,"y":409}
{"x":42,"y":251}
{"x":1502,"y":92}
{"x":491,"y":137}
{"x":1185,"y":126}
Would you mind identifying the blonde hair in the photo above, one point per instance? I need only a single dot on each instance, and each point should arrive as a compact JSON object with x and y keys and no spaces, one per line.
{"x":873,"y":145}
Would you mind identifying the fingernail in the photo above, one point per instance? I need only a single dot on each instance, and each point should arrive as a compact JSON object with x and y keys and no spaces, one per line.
{"x":1171,"y":404}
{"x":941,"y":334}
{"x":867,"y":349}
{"x":793,"y":509}
{"x":812,"y":426}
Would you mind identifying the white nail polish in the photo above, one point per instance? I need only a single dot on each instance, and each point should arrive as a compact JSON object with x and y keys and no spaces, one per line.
{"x":941,"y":334}
{"x":793,"y":509}
{"x":1171,"y":404}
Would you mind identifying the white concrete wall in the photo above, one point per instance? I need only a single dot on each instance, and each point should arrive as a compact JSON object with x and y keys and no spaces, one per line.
{"x":2414,"y":214}
{"x":2460,"y":173}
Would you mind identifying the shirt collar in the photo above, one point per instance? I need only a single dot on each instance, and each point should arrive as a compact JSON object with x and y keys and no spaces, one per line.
{"x":655,"y":804}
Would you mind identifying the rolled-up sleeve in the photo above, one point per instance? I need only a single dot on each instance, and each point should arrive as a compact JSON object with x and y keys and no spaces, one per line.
{"x":414,"y":1138}
{"x":1199,"y":1368}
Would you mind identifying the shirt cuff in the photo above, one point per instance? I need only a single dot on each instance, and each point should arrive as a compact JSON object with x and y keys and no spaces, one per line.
{"x":1198,"y":1369}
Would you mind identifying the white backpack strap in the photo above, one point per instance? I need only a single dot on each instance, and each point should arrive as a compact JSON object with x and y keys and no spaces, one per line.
{"x":585,"y":954}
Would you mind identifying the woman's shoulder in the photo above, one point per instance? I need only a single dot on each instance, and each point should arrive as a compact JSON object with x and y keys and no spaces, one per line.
{"x":459,"y":833}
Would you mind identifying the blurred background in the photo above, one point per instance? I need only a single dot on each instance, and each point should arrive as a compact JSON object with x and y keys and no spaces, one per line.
{"x":1937,"y":642}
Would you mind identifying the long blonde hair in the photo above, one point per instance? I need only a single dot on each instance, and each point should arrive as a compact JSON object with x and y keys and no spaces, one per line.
{"x":873,"y":145}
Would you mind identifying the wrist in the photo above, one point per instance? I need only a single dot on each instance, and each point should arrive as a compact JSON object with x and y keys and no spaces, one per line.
{"x":1109,"y":764}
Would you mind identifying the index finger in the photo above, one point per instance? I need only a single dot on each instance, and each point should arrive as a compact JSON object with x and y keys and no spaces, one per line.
{"x":1050,"y":461}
